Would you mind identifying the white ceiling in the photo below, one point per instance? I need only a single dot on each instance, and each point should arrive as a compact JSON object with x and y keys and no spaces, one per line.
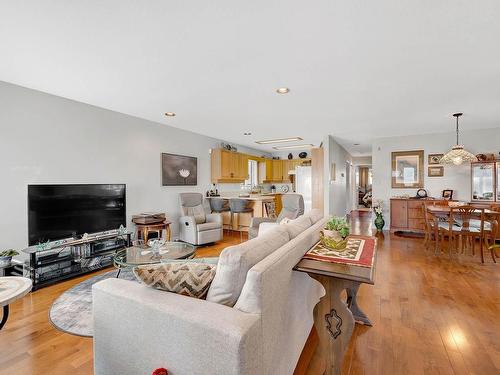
{"x":356,"y":69}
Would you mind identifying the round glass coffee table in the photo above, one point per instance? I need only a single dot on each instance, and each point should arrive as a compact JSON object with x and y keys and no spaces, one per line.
{"x":141,"y":255}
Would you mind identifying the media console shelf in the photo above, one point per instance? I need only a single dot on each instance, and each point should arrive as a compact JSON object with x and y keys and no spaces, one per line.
{"x":55,"y":261}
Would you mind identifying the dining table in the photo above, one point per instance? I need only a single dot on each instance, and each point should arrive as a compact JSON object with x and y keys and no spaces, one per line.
{"x":438,"y":212}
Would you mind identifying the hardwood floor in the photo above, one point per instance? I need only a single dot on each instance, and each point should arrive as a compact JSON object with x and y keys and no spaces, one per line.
{"x":431,"y":315}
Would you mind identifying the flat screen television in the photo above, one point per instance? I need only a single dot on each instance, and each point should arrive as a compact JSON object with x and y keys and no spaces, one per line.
{"x":63,"y":211}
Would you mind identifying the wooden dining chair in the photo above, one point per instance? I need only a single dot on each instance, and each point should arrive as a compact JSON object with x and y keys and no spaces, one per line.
{"x":429,"y":234}
{"x":493,"y":235}
{"x":460,"y":231}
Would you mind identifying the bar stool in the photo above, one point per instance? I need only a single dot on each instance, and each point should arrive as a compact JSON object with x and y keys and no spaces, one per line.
{"x":219,"y":205}
{"x":239,"y":206}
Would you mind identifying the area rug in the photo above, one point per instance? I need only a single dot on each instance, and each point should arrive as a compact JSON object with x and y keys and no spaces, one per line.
{"x":360,"y":251}
{"x":72,"y":311}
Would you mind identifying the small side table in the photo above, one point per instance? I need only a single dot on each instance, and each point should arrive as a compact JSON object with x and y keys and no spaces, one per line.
{"x":144,"y":229}
{"x":333,"y":318}
{"x":11,"y":289}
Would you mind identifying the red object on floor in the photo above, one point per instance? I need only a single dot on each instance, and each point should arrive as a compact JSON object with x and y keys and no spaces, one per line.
{"x":160,"y":371}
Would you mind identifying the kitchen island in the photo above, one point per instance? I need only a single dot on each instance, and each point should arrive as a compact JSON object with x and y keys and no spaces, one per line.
{"x":256,"y":201}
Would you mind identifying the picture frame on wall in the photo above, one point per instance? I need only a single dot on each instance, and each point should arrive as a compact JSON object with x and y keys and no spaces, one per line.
{"x":407,"y":169}
{"x":434,"y":158}
{"x":179,"y":170}
{"x":435,"y":171}
{"x":448,"y":194}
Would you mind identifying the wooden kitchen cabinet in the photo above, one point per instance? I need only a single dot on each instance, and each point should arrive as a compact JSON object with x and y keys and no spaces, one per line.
{"x":228,"y":166}
{"x":277,"y":170}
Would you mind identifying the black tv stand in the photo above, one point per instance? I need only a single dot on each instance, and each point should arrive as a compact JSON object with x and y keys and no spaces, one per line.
{"x":55,"y":261}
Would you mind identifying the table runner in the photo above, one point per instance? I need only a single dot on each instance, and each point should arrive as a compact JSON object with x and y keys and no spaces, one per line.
{"x":360,"y":252}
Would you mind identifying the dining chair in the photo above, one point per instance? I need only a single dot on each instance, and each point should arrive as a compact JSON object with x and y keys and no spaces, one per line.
{"x":492,"y":239}
{"x":430,"y":226}
{"x":462,"y":233}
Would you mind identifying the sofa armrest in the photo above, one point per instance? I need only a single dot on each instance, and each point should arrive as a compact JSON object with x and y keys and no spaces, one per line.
{"x":214,"y":218}
{"x":256,"y":221}
{"x":138,"y":329}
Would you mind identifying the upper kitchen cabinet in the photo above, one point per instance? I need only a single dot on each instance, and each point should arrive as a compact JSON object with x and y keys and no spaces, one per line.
{"x":277,"y":170}
{"x":228,"y":166}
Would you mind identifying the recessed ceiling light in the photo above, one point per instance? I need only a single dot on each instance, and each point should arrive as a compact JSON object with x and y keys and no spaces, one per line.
{"x":293,"y":147}
{"x":283,"y":90}
{"x":279,"y":140}
{"x":170,"y":114}
{"x":247,"y":133}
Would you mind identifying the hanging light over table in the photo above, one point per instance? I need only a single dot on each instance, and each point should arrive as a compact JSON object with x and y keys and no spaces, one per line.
{"x":457,"y":155}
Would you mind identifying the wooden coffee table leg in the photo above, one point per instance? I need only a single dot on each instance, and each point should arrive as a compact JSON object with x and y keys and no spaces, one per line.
{"x":334,"y":323}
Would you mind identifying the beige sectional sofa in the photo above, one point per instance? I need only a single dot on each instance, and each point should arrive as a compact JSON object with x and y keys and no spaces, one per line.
{"x":256,"y":318}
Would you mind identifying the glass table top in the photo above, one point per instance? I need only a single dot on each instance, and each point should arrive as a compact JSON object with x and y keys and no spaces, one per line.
{"x":140,"y":255}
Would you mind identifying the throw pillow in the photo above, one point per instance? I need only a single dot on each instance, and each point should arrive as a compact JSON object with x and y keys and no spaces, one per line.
{"x":188,"y":278}
{"x":297,"y":226}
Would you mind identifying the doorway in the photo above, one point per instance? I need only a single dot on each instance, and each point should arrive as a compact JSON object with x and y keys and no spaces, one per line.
{"x":364,"y":181}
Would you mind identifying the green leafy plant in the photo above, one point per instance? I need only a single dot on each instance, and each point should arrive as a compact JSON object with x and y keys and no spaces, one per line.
{"x":8,"y":253}
{"x":338,"y":224}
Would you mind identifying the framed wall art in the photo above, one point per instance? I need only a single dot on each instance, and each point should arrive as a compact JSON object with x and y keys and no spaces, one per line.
{"x":448,"y":194}
{"x":434,"y":158}
{"x":407,"y":169}
{"x":179,"y":170}
{"x":435,"y":171}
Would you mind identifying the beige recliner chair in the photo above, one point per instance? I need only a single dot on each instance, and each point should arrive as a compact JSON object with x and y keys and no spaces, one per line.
{"x":293,"y":207}
{"x":196,"y":226}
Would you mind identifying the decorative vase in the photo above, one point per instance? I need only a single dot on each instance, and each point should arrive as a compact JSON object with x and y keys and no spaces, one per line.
{"x":379,"y":222}
{"x":332,"y":239}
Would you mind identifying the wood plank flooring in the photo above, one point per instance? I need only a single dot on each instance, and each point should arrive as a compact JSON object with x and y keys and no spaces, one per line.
{"x":431,"y":315}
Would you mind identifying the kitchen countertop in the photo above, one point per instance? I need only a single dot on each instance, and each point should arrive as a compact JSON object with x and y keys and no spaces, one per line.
{"x":252,"y":197}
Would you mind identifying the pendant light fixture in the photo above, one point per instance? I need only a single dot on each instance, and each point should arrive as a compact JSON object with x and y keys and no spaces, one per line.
{"x":457,"y":155}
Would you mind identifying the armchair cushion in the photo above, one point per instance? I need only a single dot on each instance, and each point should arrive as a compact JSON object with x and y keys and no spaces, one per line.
{"x":208,"y":226}
{"x":189,"y":278}
{"x":235,"y":261}
{"x":198,"y":212}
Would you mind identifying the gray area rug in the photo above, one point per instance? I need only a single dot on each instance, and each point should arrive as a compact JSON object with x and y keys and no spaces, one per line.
{"x":72,"y":311}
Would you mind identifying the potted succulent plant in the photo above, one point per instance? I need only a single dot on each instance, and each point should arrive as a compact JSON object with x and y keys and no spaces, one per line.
{"x":6,"y":257}
{"x":335,"y":233}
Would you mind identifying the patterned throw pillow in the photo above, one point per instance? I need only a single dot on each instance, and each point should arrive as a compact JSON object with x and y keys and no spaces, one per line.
{"x":189,"y":279}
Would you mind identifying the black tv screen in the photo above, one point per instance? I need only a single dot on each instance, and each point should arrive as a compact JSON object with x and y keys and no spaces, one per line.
{"x":62,"y":211}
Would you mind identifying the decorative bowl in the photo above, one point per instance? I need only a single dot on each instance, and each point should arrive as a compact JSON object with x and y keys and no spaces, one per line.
{"x":5,"y":261}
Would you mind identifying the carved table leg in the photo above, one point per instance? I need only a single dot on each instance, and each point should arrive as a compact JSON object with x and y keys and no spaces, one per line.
{"x":334,"y":323}
{"x":359,"y":315}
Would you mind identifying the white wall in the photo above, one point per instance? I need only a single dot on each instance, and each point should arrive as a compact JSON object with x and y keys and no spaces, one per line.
{"x":337,"y":193}
{"x":52,"y":140}
{"x":455,"y":177}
